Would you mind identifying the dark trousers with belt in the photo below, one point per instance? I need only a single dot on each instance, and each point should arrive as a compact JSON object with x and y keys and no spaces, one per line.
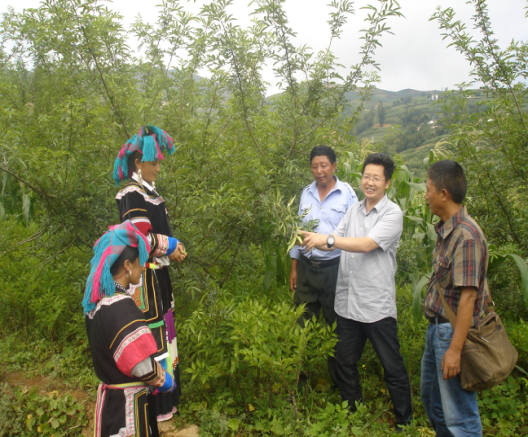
{"x":383,"y":335}
{"x":316,"y":285}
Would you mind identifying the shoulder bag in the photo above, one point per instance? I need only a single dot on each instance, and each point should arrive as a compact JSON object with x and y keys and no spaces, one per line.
{"x":488,"y":357}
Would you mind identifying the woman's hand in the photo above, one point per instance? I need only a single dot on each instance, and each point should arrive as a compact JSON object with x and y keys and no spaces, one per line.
{"x":179,"y":254}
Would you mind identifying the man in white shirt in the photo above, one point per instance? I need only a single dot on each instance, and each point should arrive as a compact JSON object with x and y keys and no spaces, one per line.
{"x":365,"y":303}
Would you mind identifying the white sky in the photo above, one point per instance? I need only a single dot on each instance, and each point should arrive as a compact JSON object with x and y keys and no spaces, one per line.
{"x":414,"y":57}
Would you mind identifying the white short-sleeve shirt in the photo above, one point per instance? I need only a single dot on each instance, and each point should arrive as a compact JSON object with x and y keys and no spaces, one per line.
{"x":366,"y":288}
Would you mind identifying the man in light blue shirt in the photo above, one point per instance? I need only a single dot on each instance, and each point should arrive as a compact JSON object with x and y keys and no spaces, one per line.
{"x":313,"y":274}
{"x":365,"y":303}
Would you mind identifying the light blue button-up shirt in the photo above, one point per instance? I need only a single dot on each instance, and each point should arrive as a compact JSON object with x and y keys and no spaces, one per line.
{"x":329,"y":212}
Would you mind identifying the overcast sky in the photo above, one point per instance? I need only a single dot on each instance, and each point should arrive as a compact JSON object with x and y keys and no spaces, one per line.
{"x":414,"y":57}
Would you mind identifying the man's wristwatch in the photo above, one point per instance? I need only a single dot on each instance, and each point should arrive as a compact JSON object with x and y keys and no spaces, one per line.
{"x":330,"y":241}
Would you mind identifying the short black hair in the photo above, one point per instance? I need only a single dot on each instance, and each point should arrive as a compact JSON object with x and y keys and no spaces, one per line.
{"x":449,"y":175}
{"x":380,"y":159}
{"x":323,"y":151}
{"x":129,"y":253}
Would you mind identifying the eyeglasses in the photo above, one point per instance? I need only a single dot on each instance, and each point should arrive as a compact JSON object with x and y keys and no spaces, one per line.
{"x":375,"y":179}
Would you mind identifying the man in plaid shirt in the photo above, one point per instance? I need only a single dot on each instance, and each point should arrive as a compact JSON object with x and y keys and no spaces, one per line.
{"x":460,"y":261}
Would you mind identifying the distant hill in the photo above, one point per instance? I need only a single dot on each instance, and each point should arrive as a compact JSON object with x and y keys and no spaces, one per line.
{"x":411,"y":122}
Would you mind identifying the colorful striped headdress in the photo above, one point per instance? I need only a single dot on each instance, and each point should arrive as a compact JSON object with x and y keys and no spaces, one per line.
{"x":150,"y":141}
{"x":106,"y":251}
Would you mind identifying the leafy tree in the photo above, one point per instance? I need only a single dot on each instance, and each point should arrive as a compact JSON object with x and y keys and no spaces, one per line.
{"x":73,"y":92}
{"x":492,"y":143}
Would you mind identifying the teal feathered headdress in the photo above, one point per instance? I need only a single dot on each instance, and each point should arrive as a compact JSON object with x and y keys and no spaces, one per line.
{"x":150,"y":141}
{"x":106,"y":251}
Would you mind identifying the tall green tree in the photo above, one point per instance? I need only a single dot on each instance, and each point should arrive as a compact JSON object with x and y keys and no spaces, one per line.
{"x":73,"y":92}
{"x":492,"y":143}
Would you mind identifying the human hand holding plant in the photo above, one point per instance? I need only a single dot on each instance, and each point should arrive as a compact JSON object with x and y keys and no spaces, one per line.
{"x":179,"y":254}
{"x":312,"y":239}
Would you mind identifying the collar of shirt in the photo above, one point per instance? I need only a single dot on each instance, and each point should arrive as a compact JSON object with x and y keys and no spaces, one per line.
{"x":444,"y":229}
{"x":150,"y":187}
{"x":378,"y":206}
{"x":315,"y":192}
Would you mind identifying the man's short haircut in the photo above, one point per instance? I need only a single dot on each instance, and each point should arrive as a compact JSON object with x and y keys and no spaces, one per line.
{"x":449,"y":175}
{"x":323,"y":151}
{"x":380,"y":159}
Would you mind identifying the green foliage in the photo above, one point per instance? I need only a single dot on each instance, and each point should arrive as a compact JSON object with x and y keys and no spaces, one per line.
{"x":40,"y":297}
{"x":73,"y":92}
{"x":253,"y":342}
{"x":504,"y":406}
{"x":491,"y":144}
{"x":26,"y":413}
{"x":213,"y":423}
{"x":336,"y":420}
{"x":518,"y":334}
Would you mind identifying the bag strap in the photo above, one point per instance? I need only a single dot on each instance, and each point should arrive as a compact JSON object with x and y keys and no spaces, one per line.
{"x":450,"y":313}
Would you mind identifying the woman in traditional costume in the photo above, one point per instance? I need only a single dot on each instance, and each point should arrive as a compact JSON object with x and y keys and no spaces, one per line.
{"x":122,"y":345}
{"x":139,"y":202}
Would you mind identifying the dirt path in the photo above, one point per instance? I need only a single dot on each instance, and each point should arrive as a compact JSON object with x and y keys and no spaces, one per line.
{"x":46,"y":385}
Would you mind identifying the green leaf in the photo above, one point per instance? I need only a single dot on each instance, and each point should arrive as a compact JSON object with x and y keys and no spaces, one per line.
{"x":233,"y":424}
{"x":414,"y":219}
{"x":417,"y":298}
{"x":523,"y":269}
{"x":420,"y":187}
{"x":431,"y":233}
{"x":268,"y":277}
{"x":55,"y":423}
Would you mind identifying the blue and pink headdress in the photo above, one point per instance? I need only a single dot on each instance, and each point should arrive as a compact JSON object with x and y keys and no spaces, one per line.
{"x":106,"y":251}
{"x":150,"y":141}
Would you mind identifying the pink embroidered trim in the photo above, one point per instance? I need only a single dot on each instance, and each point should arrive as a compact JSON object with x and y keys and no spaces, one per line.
{"x":163,"y":245}
{"x":130,"y":423}
{"x":140,"y":220}
{"x":107,"y":301}
{"x":134,"y":189}
{"x":130,"y":338}
{"x":101,"y":394}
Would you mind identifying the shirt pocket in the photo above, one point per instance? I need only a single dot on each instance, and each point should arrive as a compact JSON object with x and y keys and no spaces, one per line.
{"x":307,"y":211}
{"x":442,"y":269}
{"x":336,"y":213}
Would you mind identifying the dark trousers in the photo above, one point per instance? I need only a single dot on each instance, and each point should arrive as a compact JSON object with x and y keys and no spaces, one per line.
{"x":383,"y":335}
{"x":316,"y":288}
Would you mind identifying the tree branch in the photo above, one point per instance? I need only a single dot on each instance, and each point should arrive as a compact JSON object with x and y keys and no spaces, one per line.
{"x":35,"y":189}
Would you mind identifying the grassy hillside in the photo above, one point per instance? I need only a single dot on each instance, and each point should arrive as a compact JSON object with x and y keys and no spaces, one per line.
{"x":411,"y":122}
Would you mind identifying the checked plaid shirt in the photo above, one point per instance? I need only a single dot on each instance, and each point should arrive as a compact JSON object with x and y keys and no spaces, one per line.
{"x":460,"y":259}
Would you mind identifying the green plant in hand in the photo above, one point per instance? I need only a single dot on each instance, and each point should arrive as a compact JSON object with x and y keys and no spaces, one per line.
{"x":308,"y":226}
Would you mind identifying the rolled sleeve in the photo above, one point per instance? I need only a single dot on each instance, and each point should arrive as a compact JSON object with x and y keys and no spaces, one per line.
{"x":388,"y":229}
{"x":467,"y":264}
{"x":295,"y":253}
